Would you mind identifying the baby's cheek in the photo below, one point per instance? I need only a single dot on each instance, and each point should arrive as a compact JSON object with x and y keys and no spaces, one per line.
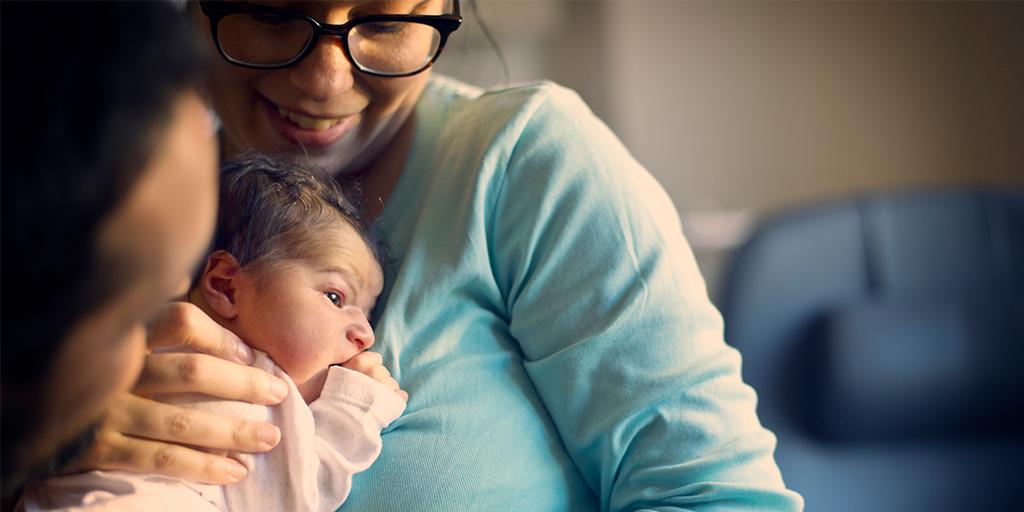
{"x":300,"y":357}
{"x":291,"y":334}
{"x":274,"y":335}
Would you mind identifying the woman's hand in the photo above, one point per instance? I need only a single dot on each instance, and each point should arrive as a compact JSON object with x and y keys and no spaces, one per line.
{"x":139,"y":434}
{"x":371,"y":364}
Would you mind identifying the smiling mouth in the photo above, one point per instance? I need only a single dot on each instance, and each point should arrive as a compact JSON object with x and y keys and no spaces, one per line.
{"x":317,"y":124}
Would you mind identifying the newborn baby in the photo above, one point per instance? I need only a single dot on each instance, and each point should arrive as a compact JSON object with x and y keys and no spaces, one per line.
{"x":295,"y":273}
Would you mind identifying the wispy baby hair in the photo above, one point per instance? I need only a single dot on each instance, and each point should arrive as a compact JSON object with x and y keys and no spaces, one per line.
{"x":274,"y":209}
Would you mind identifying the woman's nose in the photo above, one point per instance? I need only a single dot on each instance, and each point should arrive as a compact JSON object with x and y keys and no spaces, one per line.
{"x":325,"y":72}
{"x":360,"y":333}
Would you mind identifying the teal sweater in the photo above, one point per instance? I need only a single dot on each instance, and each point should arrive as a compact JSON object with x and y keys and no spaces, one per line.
{"x":547,"y":318}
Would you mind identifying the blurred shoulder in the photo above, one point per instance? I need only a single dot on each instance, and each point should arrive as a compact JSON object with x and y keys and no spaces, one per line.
{"x":514,"y":104}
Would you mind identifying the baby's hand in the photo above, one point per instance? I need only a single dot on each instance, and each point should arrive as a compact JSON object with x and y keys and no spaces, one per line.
{"x":371,"y":364}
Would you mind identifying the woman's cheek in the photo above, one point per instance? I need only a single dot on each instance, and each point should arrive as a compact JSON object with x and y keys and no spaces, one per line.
{"x":234,"y":98}
{"x":131,"y":357}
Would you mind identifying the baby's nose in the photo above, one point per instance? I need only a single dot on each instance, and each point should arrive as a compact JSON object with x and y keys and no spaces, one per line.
{"x":360,"y":333}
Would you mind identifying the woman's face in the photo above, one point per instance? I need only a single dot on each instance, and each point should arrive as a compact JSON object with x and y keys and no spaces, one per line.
{"x":321,"y":109}
{"x":159,"y":229}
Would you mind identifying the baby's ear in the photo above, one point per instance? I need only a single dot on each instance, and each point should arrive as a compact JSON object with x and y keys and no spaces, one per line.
{"x":219,"y":284}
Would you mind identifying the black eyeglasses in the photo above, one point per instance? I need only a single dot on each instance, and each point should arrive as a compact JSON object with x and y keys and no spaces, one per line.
{"x":390,"y":45}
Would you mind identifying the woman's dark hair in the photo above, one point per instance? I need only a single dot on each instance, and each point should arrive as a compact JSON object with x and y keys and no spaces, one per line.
{"x":274,"y":209}
{"x":88,"y":89}
{"x":474,"y":10}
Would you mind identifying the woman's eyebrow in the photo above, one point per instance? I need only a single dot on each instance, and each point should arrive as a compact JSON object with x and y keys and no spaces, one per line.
{"x":403,"y":6}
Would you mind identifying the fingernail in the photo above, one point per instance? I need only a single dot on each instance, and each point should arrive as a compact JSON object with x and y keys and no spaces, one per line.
{"x":236,"y":472}
{"x":244,"y":354}
{"x":278,"y":389}
{"x":269,"y":436}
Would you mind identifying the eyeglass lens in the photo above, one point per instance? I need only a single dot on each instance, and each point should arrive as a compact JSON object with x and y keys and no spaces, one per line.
{"x":393,"y":47}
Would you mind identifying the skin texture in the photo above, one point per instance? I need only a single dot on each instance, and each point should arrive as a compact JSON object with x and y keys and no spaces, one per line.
{"x":162,"y":225}
{"x":306,"y":314}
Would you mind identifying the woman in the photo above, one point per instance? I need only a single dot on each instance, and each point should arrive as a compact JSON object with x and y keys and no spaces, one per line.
{"x":544,"y":310}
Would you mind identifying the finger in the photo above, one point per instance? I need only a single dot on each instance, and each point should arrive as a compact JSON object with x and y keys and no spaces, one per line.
{"x":382,"y":375}
{"x":363,"y":361}
{"x":113,"y":451}
{"x":403,"y":395}
{"x":200,"y":373}
{"x":184,"y":324}
{"x":147,"y":419}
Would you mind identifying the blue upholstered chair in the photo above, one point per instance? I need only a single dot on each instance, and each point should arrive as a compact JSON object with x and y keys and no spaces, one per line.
{"x":885,"y":338}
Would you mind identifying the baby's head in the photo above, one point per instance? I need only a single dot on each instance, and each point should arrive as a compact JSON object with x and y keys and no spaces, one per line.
{"x":294,"y":271}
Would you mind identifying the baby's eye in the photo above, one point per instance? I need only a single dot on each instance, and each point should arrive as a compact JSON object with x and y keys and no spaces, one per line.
{"x":335,"y":298}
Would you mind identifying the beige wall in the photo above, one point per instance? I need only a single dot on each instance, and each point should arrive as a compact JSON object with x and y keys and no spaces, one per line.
{"x":743,"y":108}
{"x":766,"y":104}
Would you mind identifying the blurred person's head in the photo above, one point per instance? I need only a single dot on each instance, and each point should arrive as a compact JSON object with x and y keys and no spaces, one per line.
{"x":280,"y":88}
{"x":109,"y":194}
{"x":294,"y":270}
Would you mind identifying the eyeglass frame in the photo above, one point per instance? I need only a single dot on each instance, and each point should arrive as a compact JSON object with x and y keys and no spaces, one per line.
{"x":216,"y":10}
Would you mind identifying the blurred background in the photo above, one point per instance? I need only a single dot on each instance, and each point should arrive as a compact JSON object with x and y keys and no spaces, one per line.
{"x":850,"y":176}
{"x":745,"y":108}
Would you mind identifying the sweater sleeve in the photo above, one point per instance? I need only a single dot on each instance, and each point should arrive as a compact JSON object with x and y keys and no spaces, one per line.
{"x":321,"y":447}
{"x":617,"y":332}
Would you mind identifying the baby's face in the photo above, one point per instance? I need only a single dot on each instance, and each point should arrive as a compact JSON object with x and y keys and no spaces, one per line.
{"x":308,"y":314}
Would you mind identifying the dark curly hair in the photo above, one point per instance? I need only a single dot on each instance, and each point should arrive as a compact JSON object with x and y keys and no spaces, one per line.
{"x":273,"y":209}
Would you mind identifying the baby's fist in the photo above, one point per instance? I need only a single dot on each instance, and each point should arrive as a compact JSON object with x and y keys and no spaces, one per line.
{"x":371,"y":364}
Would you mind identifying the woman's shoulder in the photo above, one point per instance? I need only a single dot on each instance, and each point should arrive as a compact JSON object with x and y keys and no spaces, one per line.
{"x":542,"y":145}
{"x":540,"y":130}
{"x":456,"y":90}
{"x":523,"y":102}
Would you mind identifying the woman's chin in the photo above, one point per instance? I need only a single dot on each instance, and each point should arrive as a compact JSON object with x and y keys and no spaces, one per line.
{"x":334,"y":164}
{"x":333,"y":161}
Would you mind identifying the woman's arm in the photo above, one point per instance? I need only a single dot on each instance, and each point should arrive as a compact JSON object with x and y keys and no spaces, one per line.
{"x":616,"y":329}
{"x":141,"y":434}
